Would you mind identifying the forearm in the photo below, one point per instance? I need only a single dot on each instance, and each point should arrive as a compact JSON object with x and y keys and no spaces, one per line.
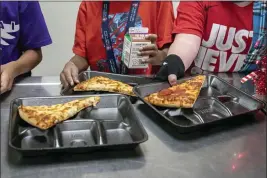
{"x":185,"y":46}
{"x":28,"y":60}
{"x":80,"y":62}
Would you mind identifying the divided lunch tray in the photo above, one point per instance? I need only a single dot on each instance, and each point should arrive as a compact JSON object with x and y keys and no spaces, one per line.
{"x":113,"y":123}
{"x":217,"y":101}
{"x":129,"y":79}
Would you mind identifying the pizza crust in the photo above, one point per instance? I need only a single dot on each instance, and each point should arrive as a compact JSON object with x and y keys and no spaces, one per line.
{"x":44,"y":117}
{"x":26,"y":117}
{"x":168,"y":104}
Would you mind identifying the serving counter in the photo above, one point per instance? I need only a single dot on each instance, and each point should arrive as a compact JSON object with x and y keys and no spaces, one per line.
{"x":236,"y":149}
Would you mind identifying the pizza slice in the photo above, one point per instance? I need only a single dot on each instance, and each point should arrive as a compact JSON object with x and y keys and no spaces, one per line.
{"x":182,"y":95}
{"x":100,"y":83}
{"x":44,"y":117}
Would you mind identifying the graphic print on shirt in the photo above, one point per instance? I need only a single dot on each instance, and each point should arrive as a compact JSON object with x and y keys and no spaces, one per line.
{"x":117,"y":25}
{"x":225,"y":50}
{"x":6,"y":32}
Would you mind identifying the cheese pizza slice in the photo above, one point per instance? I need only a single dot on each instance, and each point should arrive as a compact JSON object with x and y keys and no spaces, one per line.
{"x":100,"y":83}
{"x":45,"y":117}
{"x":182,"y":95}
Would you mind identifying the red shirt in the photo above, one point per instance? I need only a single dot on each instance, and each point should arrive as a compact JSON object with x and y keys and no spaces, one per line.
{"x":226,"y":31}
{"x":157,"y":16}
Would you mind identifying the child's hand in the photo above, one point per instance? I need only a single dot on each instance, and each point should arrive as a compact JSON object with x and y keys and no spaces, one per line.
{"x":69,"y":75}
{"x":7,"y":76}
{"x":155,"y":56}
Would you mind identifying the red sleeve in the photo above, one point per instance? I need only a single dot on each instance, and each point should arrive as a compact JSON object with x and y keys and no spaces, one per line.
{"x":190,"y":18}
{"x":79,"y":47}
{"x":165,"y":19}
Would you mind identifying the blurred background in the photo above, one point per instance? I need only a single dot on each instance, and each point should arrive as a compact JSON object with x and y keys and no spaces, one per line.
{"x":61,"y":24}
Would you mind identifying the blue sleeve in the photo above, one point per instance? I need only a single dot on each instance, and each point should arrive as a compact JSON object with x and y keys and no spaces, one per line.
{"x":33,"y":29}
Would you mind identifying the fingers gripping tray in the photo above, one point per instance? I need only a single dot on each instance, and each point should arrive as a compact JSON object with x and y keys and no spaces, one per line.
{"x":111,"y":124}
{"x":218,"y":101}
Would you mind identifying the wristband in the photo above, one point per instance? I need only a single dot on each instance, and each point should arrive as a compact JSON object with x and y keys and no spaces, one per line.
{"x":172,"y":64}
{"x":175,"y":65}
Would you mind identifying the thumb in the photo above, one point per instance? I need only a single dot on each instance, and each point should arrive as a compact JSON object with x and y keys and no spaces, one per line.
{"x":172,"y":79}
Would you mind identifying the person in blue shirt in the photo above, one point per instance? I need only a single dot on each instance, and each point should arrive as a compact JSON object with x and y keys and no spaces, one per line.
{"x":23,"y":33}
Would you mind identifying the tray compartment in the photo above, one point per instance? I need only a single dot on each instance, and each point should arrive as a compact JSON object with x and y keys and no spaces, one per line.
{"x":232,"y":103}
{"x":210,"y":109}
{"x":117,"y":133}
{"x":236,"y":108}
{"x":244,"y":100}
{"x":184,"y":117}
{"x":32,"y":138}
{"x":77,"y":133}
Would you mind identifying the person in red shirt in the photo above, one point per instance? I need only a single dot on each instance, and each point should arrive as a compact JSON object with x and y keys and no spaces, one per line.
{"x":91,"y":47}
{"x":210,"y":36}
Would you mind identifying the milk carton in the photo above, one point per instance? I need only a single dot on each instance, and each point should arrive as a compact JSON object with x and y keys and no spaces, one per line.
{"x":133,"y":41}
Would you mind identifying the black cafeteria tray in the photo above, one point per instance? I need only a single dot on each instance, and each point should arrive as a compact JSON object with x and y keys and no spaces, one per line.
{"x":113,"y":124}
{"x":132,"y":80}
{"x":218,"y":101}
